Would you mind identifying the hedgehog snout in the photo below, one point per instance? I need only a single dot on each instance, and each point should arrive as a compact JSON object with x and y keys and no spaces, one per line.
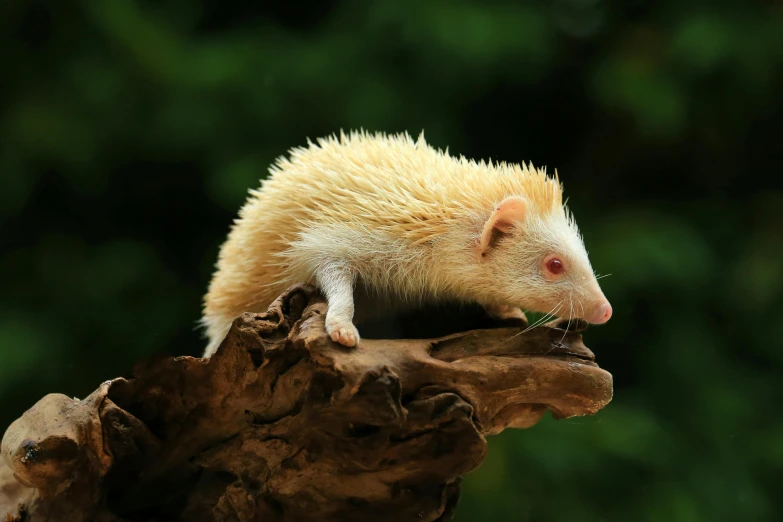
{"x":601,"y":313}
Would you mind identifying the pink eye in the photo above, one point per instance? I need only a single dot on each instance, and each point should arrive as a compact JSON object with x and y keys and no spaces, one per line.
{"x":554,"y":266}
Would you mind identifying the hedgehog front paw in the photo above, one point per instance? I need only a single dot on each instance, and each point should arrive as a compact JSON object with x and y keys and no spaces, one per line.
{"x":504,"y":312}
{"x":342,"y":331}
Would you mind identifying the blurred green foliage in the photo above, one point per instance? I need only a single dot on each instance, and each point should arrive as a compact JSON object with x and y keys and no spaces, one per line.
{"x":131,"y":130}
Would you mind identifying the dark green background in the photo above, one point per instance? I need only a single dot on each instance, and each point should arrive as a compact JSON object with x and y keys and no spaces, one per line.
{"x":130,"y":132}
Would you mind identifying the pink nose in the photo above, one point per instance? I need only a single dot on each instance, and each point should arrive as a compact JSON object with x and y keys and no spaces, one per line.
{"x":602,"y":314}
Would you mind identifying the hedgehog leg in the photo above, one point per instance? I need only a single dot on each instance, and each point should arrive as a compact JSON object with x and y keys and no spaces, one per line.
{"x":336,"y":281}
{"x":505,"y":312}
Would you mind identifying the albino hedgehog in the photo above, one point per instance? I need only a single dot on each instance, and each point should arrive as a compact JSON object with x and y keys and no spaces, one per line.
{"x":403,"y":222}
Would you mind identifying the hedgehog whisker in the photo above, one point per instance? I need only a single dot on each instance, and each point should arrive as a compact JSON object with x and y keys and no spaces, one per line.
{"x":570,"y":315}
{"x":545,"y":318}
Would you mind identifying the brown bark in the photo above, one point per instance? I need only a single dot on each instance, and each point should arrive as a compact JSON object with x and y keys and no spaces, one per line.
{"x":283,"y":424}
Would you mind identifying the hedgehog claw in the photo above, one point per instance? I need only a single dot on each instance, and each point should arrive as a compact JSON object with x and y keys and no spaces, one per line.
{"x":503,"y":312}
{"x":343,"y":332}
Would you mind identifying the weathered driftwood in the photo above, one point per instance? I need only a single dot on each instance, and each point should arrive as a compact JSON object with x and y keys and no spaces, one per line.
{"x":283,"y":424}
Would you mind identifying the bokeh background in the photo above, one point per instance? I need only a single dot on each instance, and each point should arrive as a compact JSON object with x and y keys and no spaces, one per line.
{"x":130,"y":132}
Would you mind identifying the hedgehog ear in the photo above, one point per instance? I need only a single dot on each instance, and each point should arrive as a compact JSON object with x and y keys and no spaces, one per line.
{"x":506,"y":215}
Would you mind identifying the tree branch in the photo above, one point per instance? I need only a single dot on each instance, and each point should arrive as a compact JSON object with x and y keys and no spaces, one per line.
{"x":283,"y":424}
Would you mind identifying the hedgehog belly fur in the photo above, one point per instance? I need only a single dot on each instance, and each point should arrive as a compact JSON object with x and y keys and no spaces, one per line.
{"x":385,"y":266}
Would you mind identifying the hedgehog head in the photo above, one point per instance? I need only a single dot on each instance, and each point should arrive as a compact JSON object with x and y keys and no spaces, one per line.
{"x":535,"y":258}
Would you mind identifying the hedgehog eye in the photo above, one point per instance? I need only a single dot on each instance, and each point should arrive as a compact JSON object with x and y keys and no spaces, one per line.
{"x":555,"y":266}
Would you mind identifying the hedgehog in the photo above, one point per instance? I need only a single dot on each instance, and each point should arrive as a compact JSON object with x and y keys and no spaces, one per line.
{"x":393,"y":218}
